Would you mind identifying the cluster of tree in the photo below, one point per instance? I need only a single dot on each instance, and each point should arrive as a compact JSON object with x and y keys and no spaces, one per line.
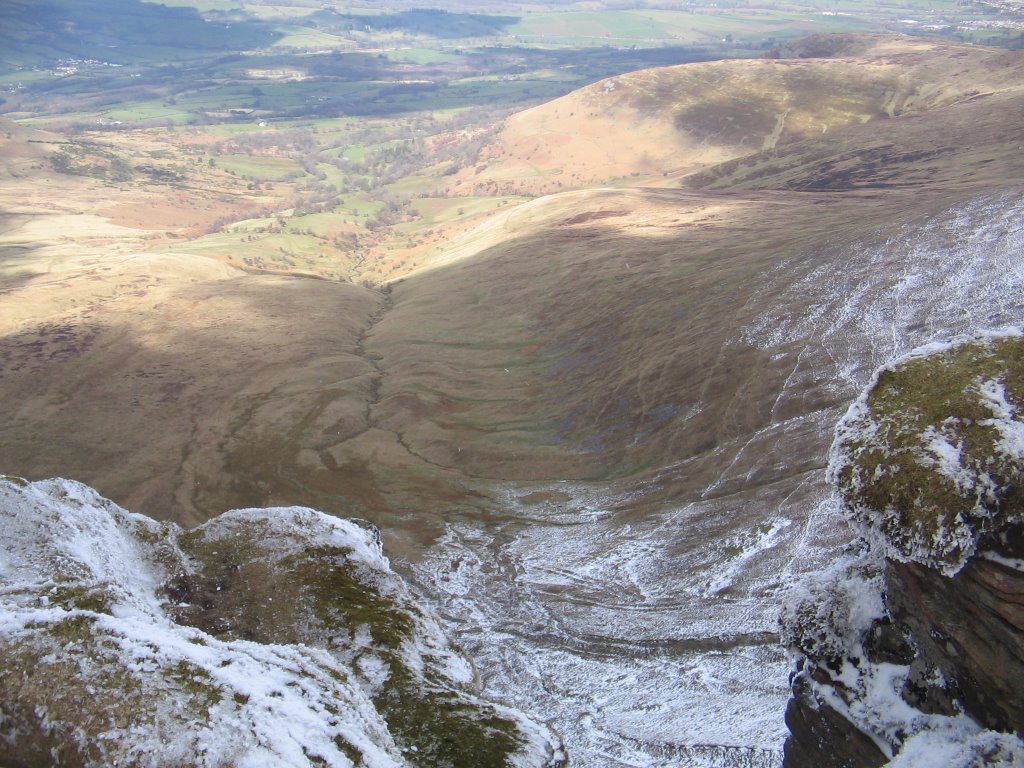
{"x":322,"y":198}
{"x":396,"y":209}
{"x":420,"y":22}
{"x":295,"y":142}
{"x":261,"y":212}
{"x":93,"y":161}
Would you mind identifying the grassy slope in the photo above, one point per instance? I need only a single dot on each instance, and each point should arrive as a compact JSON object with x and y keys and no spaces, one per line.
{"x":597,"y":337}
{"x":666,"y":123}
{"x":591,"y":335}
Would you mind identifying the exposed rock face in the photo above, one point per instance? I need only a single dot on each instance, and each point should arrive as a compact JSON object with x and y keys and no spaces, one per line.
{"x":820,"y":726}
{"x":910,"y":650}
{"x":971,"y":627}
{"x":262,"y":638}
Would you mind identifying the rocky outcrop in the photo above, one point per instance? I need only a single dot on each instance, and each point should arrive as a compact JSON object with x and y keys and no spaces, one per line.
{"x":971,"y":627}
{"x":910,"y":649}
{"x":819,"y":726}
{"x":263,"y":637}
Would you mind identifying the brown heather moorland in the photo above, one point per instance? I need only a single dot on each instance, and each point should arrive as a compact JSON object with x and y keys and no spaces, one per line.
{"x":589,"y":335}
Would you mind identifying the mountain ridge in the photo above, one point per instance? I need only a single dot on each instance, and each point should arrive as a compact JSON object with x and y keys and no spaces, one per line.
{"x":668,"y":123}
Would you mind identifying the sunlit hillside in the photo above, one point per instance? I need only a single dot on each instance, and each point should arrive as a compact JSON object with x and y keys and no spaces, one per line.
{"x":580,"y":363}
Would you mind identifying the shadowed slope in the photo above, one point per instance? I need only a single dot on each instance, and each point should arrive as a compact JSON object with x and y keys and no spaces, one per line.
{"x":138,"y":375}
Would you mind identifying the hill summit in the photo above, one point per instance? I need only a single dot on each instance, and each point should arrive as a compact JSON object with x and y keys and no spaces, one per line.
{"x":657,"y":126}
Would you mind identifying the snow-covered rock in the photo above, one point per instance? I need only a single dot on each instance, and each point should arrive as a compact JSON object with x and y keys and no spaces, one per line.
{"x":931,"y":455}
{"x":910,"y":651}
{"x":273,"y":637}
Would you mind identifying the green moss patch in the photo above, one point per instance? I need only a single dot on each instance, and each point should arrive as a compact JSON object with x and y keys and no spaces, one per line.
{"x":437,"y":728}
{"x":74,"y":629}
{"x":932,"y":455}
{"x":342,"y":598}
{"x":80,"y":597}
{"x":434,"y":723}
{"x":196,"y":682}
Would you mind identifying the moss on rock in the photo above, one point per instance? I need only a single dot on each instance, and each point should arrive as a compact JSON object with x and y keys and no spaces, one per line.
{"x":277,"y":635}
{"x":250,"y":582}
{"x":931,"y":456}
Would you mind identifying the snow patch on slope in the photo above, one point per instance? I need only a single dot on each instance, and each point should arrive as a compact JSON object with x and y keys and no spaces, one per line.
{"x":675,"y":614}
{"x":952,"y":274}
{"x":643,"y":647}
{"x":960,"y":748}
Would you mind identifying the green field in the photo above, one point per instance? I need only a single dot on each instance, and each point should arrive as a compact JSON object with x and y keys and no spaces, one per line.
{"x":259,"y":168}
{"x":351,"y":120}
{"x":422,"y":55}
{"x":656,"y":28}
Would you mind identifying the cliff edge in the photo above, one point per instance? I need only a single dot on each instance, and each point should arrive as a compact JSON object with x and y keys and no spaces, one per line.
{"x":910,"y":649}
{"x":264,"y":637}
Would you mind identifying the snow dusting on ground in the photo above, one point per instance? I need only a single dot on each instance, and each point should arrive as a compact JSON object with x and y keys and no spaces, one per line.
{"x":652,"y":642}
{"x":267,"y":704}
{"x":96,"y":665}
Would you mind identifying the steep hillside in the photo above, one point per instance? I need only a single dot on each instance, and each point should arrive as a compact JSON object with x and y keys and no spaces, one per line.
{"x":658,"y":125}
{"x":666,"y":450}
{"x":594,"y":434}
{"x":647,"y":380}
{"x":167,"y":359}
